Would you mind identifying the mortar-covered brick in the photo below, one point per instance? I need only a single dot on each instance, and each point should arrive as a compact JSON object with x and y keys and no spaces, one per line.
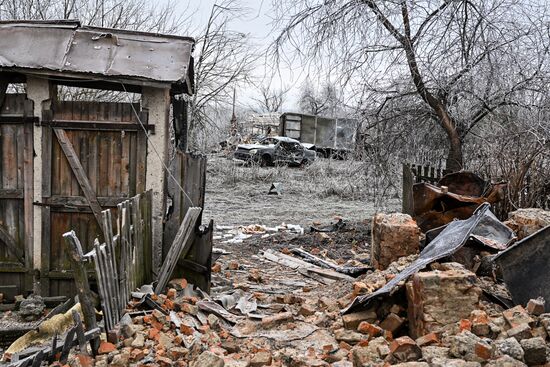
{"x":394,"y":235}
{"x":440,"y":298}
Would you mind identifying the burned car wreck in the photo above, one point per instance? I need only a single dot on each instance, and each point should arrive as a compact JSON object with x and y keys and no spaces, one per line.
{"x":276,"y":150}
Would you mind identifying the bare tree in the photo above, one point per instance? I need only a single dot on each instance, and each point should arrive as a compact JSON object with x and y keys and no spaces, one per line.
{"x":461,"y":61}
{"x":126,"y":14}
{"x":225,"y":59}
{"x":269,"y":100}
{"x":325,"y":101}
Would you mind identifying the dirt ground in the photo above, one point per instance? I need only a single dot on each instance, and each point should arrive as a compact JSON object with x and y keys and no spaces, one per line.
{"x":236,"y":194}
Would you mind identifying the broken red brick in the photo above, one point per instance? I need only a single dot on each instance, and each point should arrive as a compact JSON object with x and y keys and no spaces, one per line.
{"x":437,"y":299}
{"x":216,"y":268}
{"x":483,"y":351}
{"x":480,"y":323}
{"x":189,"y":308}
{"x":153,"y":333}
{"x":261,"y":358}
{"x":255,"y":276}
{"x":186,"y":330}
{"x":85,"y":360}
{"x":404,"y":349}
{"x":352,"y":320}
{"x":517,"y":316}
{"x":106,"y":347}
{"x":370,"y":329}
{"x":163,"y":361}
{"x":137,"y":355}
{"x":344,"y":345}
{"x":392,"y":323}
{"x":428,"y":339}
{"x":178,"y":353}
{"x":307,"y":310}
{"x":171,"y":294}
{"x":465,"y":324}
{"x":169,"y":305}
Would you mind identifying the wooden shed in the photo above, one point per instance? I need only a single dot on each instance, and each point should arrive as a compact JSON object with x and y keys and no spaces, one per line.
{"x":62,"y":161}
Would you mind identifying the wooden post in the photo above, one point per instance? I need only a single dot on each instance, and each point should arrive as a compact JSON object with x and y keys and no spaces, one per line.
{"x":82,"y":287}
{"x":408,"y":182}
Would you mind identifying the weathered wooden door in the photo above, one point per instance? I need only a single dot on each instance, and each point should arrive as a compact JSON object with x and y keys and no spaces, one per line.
{"x":16,"y":180}
{"x":94,"y":158}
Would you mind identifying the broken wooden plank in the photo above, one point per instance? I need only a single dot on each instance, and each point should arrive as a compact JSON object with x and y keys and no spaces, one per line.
{"x":111,"y":262}
{"x":81,"y":281}
{"x":301,"y":265}
{"x":181,"y":245}
{"x":80,"y":174}
{"x":67,"y":346}
{"x":38,"y":357}
{"x":79,"y":332}
{"x":55,"y":348}
{"x":352,"y":270}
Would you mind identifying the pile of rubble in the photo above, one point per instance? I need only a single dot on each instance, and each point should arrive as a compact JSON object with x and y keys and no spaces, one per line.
{"x":273,"y":309}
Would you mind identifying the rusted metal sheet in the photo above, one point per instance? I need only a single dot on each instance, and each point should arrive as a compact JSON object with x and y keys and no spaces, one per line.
{"x":456,"y":197}
{"x":68,"y":47}
{"x":452,"y":238}
{"x":525,"y":266}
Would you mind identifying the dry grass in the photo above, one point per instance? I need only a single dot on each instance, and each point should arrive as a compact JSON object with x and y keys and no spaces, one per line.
{"x":347,"y":180}
{"x":236,"y":194}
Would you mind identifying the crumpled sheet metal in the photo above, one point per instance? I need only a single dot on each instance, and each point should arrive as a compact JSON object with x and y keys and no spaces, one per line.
{"x":525,"y":267}
{"x":453,"y":237}
{"x":490,"y":232}
{"x":456,"y":197}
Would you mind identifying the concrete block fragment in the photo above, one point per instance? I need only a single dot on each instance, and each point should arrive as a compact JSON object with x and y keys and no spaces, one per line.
{"x":520,"y":332}
{"x":535,"y":350}
{"x":509,"y":347}
{"x":469,"y":347}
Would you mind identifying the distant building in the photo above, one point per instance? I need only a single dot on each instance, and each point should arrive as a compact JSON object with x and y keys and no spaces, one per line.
{"x":261,"y":124}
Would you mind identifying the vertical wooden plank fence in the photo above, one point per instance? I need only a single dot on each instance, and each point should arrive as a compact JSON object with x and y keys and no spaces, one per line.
{"x":194,"y":265}
{"x":123,"y":262}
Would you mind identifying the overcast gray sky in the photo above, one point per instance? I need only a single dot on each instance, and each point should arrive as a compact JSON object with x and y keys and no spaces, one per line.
{"x":258,"y":24}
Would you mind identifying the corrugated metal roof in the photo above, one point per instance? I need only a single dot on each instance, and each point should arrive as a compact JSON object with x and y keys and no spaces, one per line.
{"x":66,"y":46}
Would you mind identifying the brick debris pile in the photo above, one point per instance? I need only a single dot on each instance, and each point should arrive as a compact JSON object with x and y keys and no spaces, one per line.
{"x":262,"y":313}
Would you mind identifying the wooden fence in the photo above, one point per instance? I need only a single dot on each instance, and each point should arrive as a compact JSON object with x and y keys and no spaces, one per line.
{"x":190,"y":170}
{"x":123,"y":262}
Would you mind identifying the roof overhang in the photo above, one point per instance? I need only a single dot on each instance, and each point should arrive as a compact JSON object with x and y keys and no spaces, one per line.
{"x":65,"y":49}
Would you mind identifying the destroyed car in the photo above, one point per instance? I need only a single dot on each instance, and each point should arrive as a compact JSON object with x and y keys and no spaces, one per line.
{"x":276,"y":150}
